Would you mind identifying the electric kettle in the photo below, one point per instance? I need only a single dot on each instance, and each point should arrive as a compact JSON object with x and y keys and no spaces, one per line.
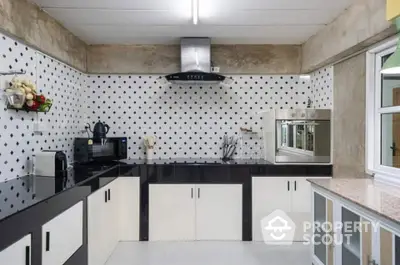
{"x":100,"y":131}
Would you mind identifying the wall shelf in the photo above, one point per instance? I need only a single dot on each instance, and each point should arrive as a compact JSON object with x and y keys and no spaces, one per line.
{"x":22,"y":72}
{"x":27,"y":109}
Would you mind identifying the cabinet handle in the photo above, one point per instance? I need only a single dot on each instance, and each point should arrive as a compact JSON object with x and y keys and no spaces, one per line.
{"x":105,"y":196}
{"x":109,"y":194}
{"x":191,"y":193}
{"x":295,"y":185}
{"x":198,"y":193}
{"x":27,"y":255}
{"x":288,"y":185}
{"x":47,"y":241}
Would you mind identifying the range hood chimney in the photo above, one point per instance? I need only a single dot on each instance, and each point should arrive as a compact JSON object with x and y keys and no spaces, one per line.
{"x":195,"y":64}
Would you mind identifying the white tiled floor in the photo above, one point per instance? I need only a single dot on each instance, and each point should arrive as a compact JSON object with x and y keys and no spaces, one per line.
{"x":208,"y":253}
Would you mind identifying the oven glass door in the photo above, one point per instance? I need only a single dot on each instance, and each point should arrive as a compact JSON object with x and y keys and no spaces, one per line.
{"x":300,"y":141}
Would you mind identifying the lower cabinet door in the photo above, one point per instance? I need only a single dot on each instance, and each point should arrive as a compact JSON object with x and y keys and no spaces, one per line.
{"x":171,"y":212}
{"x":18,"y":253}
{"x":62,"y":236}
{"x":97,"y":227}
{"x":219,"y":212}
{"x":129,"y":208}
{"x":269,"y":194}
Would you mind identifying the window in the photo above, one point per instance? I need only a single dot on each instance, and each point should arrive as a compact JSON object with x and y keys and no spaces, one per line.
{"x":383,"y":116}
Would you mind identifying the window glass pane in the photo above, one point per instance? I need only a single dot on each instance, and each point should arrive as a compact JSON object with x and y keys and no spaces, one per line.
{"x":390,"y":140}
{"x":390,"y":88}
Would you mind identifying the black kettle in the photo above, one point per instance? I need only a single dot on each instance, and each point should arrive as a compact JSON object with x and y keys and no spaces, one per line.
{"x":100,"y":131}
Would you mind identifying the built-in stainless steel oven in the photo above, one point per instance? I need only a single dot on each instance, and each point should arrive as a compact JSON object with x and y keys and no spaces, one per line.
{"x":297,"y":136}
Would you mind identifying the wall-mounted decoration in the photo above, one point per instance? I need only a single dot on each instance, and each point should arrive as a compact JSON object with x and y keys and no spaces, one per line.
{"x":22,"y":95}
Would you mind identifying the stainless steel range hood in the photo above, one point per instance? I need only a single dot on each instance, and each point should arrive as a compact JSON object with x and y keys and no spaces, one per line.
{"x":195,"y":64}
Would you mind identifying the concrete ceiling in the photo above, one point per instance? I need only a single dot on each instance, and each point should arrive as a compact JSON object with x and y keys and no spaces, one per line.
{"x":165,"y":21}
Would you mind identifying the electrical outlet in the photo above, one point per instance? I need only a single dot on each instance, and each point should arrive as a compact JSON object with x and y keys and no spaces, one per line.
{"x":215,"y":69}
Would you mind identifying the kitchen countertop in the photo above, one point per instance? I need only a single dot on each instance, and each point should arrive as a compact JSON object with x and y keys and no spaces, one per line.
{"x":39,"y":199}
{"x":196,"y":161}
{"x":382,"y":199}
{"x":34,"y":189}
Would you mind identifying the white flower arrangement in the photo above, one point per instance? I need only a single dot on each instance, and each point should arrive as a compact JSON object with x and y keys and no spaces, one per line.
{"x":149,"y":142}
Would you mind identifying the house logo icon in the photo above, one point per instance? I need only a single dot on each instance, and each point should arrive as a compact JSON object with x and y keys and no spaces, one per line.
{"x":278,"y":228}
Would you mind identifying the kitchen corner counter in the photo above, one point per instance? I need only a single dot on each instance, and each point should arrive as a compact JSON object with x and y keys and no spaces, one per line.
{"x":378,"y":198}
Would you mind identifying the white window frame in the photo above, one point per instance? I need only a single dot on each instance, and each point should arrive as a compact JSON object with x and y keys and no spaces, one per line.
{"x":374,"y":112}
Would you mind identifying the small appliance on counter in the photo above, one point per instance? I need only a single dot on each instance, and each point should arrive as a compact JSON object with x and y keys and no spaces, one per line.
{"x":100,"y":131}
{"x":51,"y":170}
{"x":50,"y":163}
{"x":86,"y":150}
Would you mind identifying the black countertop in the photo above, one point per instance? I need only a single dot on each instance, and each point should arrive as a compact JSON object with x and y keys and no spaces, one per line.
{"x":195,"y":161}
{"x":21,"y":193}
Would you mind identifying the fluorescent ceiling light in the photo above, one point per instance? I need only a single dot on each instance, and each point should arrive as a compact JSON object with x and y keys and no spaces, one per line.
{"x":392,"y":64}
{"x":306,"y":77}
{"x":195,"y":11}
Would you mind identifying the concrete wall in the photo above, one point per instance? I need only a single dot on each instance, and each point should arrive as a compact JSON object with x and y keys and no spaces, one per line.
{"x":161,"y":59}
{"x":349,"y":117}
{"x":360,"y":26}
{"x":34,"y":27}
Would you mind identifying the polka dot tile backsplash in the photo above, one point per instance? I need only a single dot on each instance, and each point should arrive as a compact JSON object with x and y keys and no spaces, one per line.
{"x":188,"y":121}
{"x":322,"y":88}
{"x":18,"y":140}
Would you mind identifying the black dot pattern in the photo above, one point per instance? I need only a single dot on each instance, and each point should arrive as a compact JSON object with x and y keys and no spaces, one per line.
{"x":190,"y":120}
{"x":17,"y":139}
{"x":322,"y":88}
{"x":63,"y":84}
{"x":15,"y":194}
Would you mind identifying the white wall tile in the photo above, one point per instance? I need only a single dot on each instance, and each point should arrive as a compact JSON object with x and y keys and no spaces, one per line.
{"x":322,"y":88}
{"x":190,"y":121}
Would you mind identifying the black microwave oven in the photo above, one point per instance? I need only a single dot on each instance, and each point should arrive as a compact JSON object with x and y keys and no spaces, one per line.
{"x":86,"y":150}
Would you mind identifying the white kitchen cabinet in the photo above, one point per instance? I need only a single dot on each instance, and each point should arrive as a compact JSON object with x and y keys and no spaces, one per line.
{"x":218,"y":212}
{"x":129,"y":208}
{"x":62,"y":236}
{"x":185,"y":212}
{"x":98,"y":227}
{"x":269,"y":194}
{"x":289,"y":194}
{"x":301,"y":190}
{"x":301,"y":209}
{"x":172,"y":212}
{"x":18,"y":253}
{"x":113,"y":216}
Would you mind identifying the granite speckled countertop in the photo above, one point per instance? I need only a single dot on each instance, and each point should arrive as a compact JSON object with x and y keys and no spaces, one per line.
{"x":382,"y":199}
